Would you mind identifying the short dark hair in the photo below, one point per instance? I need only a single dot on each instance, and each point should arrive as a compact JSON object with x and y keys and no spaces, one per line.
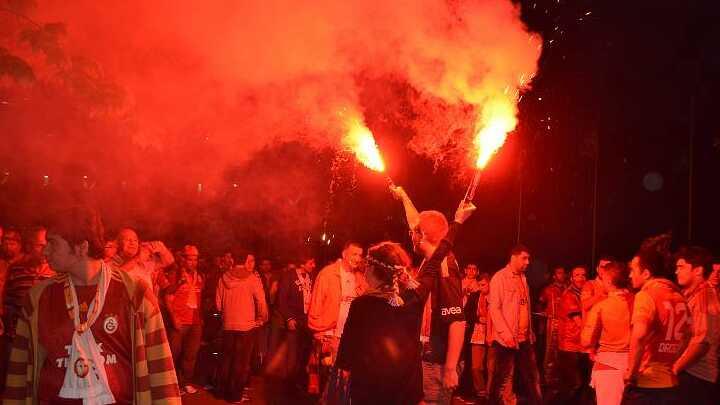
{"x":518,"y":249}
{"x":484,"y":275}
{"x":618,"y":274}
{"x":652,"y":261}
{"x":80,"y":224}
{"x":697,"y":256}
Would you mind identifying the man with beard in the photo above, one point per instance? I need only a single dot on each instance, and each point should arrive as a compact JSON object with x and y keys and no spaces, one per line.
{"x":145,"y":261}
{"x":441,"y":354}
{"x":336,"y":286}
{"x":512,"y":336}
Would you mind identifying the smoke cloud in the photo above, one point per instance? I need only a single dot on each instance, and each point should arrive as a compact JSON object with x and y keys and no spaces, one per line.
{"x":200,"y":93}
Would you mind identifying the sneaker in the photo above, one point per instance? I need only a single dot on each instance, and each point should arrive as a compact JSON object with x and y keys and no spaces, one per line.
{"x":190,"y":389}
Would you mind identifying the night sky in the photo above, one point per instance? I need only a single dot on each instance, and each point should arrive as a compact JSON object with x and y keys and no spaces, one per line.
{"x":628,"y":84}
{"x":621,"y":108}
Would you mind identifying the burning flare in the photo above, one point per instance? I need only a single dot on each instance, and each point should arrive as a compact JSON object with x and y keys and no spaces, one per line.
{"x":361,"y":142}
{"x":497,"y":120}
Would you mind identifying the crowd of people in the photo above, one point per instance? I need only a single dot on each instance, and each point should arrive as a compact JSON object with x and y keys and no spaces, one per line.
{"x":103,"y":319}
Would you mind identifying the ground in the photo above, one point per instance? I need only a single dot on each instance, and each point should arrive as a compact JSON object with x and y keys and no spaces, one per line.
{"x":258,"y":394}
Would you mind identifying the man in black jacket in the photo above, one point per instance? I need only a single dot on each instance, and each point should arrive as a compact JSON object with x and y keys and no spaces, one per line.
{"x":292,"y":344}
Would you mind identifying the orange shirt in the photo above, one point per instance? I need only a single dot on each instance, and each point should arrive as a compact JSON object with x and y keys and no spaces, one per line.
{"x":663,"y":308}
{"x":607,"y":326}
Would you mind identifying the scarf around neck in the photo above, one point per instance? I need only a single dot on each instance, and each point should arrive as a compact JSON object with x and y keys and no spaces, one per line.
{"x":85,"y":376}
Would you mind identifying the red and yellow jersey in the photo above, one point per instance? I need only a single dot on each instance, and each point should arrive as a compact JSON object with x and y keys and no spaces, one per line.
{"x":664,"y":309}
{"x":570,"y":314}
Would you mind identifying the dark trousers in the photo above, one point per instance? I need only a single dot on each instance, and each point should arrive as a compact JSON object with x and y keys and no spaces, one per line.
{"x":5,"y":348}
{"x":290,"y":352}
{"x":262,"y":346}
{"x":651,"y":396}
{"x":574,"y":378}
{"x":237,"y":350}
{"x":478,"y":362}
{"x":502,"y":363}
{"x":184,"y":344}
{"x":697,"y":391}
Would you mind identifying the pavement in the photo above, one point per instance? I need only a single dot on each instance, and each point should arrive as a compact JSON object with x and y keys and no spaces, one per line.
{"x":260,"y":393}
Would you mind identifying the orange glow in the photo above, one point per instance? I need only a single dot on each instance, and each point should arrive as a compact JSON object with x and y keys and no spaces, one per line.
{"x":361,"y":142}
{"x":497,"y":120}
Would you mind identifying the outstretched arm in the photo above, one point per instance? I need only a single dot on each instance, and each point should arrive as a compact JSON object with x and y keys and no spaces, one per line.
{"x":411,"y":213}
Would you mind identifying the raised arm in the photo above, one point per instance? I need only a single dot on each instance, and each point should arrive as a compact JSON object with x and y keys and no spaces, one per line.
{"x":431,"y":269}
{"x":164,"y":256}
{"x":411,"y":213}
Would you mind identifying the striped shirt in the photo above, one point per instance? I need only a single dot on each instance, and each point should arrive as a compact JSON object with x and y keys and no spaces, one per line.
{"x":705,"y":309}
{"x":21,"y":277}
{"x":154,"y":379}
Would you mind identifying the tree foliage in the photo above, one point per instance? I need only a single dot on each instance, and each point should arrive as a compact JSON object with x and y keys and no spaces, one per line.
{"x":80,"y":75}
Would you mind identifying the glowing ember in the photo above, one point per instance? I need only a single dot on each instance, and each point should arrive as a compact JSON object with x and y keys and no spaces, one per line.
{"x":361,"y":142}
{"x":498,"y":119}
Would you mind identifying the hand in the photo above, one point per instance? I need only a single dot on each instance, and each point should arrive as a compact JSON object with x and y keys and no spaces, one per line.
{"x":510,"y":343}
{"x":157,"y":246}
{"x":450,"y":378}
{"x":398,"y":192}
{"x":292,"y":324}
{"x":464,"y":211}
